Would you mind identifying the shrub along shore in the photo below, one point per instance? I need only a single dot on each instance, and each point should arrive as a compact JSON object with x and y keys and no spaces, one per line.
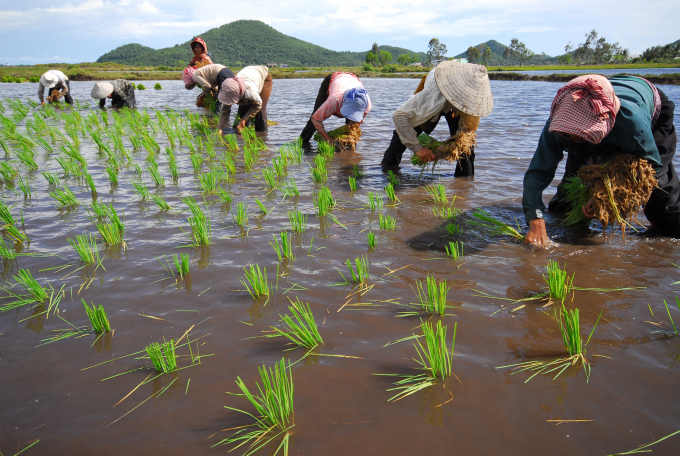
{"x":110,"y":71}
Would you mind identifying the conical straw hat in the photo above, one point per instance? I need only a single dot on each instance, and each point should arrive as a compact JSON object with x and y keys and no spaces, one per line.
{"x":466,"y":86}
{"x":101,"y":90}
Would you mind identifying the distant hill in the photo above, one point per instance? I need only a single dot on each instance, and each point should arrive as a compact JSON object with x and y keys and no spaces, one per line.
{"x":675,"y":43}
{"x":497,"y":50}
{"x":244,"y":42}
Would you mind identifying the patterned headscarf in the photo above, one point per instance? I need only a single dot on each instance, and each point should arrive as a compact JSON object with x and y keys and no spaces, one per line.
{"x":586,"y":107}
{"x":187,"y":75}
{"x":231,"y":91}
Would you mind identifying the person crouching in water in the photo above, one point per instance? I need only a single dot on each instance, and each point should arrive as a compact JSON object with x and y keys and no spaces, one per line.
{"x":57,"y":84}
{"x":593,"y":118}
{"x":120,"y":91}
{"x":251,"y":89}
{"x":341,"y":95}
{"x":210,"y":78}
{"x":201,"y":56}
{"x":461,"y":93}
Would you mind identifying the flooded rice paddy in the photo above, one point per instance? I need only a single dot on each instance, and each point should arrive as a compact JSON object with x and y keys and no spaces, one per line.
{"x":341,"y":407}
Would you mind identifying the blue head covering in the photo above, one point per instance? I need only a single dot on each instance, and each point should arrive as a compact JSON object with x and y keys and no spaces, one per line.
{"x":354,"y":103}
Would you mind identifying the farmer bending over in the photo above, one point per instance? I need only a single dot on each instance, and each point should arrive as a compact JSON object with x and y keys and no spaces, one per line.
{"x":54,"y":81}
{"x":250,"y":89}
{"x":120,"y":91}
{"x":451,"y":90}
{"x":210,"y":78}
{"x":341,"y":95}
{"x":201,"y":56}
{"x":593,"y":118}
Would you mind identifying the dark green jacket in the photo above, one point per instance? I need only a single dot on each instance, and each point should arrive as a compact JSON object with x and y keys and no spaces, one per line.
{"x":632,"y":134}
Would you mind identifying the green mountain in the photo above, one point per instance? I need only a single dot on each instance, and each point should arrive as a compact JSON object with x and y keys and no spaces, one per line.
{"x":497,"y":50}
{"x":244,"y":42}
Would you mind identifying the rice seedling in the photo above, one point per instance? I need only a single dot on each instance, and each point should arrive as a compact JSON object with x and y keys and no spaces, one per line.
{"x":89,"y":180}
{"x":7,"y":252}
{"x":109,"y":212}
{"x":675,"y":328}
{"x":319,"y":173}
{"x":5,"y":147}
{"x":453,"y":228}
{"x":352,"y":184}
{"x":280,"y":165}
{"x":274,"y":410}
{"x":284,"y":250}
{"x":24,"y":186}
{"x":437,"y":192}
{"x":224,"y":195}
{"x":301,"y":328}
{"x":390,"y":193}
{"x":44,"y":144}
{"x":8,"y":173}
{"x":86,"y":247}
{"x":454,"y":249}
{"x":141,"y":189}
{"x":269,"y":176}
{"x":359,"y":273}
{"x":26,"y":158}
{"x":294,"y":150}
{"x":113,"y":174}
{"x":231,"y":143}
{"x":100,"y":210}
{"x":559,"y":283}
{"x":9,"y":225}
{"x":371,"y":240}
{"x":248,"y":134}
{"x":181,"y":264}
{"x":227,"y":162}
{"x":64,"y":197}
{"x":151,"y":161}
{"x":208,"y":182}
{"x":161,"y":203}
{"x":199,"y":222}
{"x":36,"y":292}
{"x":158,"y":86}
{"x":323,"y":201}
{"x":573,"y":344}
{"x":434,"y":358}
{"x":298,"y":221}
{"x":325,"y":149}
{"x":255,"y":281}
{"x":156,"y":176}
{"x":446,"y":212}
{"x":375,"y":202}
{"x":111,"y":233}
{"x":387,"y":222}
{"x":98,"y":318}
{"x":394,"y":180}
{"x":496,"y":227}
{"x":432,"y":297}
{"x":163,"y":356}
{"x":263,"y":208}
{"x":241,"y":217}
{"x":290,"y":188}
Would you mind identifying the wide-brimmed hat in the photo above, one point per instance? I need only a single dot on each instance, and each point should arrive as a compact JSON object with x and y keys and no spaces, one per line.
{"x":466,"y":86}
{"x":49,"y":80}
{"x":101,"y":90}
{"x":354,"y":104}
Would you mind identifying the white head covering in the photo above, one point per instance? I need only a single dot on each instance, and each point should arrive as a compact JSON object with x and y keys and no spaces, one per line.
{"x":49,"y":79}
{"x":466,"y":86}
{"x":101,"y":90}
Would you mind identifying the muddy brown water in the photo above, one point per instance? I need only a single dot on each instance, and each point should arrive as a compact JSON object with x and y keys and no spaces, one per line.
{"x":340,"y":406}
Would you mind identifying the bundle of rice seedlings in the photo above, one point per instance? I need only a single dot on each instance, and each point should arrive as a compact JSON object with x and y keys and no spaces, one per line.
{"x":619,"y":188}
{"x":387,"y":222}
{"x":141,"y":189}
{"x":89,"y":180}
{"x":359,"y":274}
{"x":86,"y":247}
{"x":347,"y":136}
{"x":113,"y":175}
{"x":163,"y":356}
{"x":432,"y":296}
{"x":326,"y":150}
{"x":559,"y":282}
{"x":298,"y":221}
{"x":434,"y":358}
{"x":269,"y":176}
{"x":496,"y":227}
{"x":111,"y":233}
{"x":255,"y":281}
{"x":55,"y":95}
{"x":7,"y":252}
{"x":323,"y":201}
{"x":27,"y":159}
{"x":208,"y":182}
{"x":394,"y":180}
{"x":445,"y":212}
{"x":290,"y":188}
{"x":200,"y":223}
{"x":197,"y":162}
{"x":64,"y":197}
{"x":8,"y":173}
{"x":456,"y":147}
{"x":156,"y":176}
{"x":319,"y":173}
{"x":280,"y":165}
{"x":263,"y":208}
{"x":25,"y":187}
{"x":36,"y":292}
{"x":453,"y":229}
{"x":375,"y":202}
{"x":181,"y":264}
{"x":158,"y":86}
{"x":231,"y":143}
{"x":241,"y":217}
{"x":390,"y":193}
{"x":371,"y":240}
{"x":224,"y":195}
{"x":141,"y":87}
{"x":301,"y":328}
{"x":352,"y":184}
{"x":274,"y":410}
{"x":284,"y":251}
{"x":454,"y":249}
{"x":437,"y":192}
{"x":98,"y":318}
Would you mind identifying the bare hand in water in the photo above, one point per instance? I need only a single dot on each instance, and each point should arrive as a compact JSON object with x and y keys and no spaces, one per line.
{"x":537,"y":233}
{"x":425,"y":155}
{"x":241,"y":125}
{"x":588,"y":210}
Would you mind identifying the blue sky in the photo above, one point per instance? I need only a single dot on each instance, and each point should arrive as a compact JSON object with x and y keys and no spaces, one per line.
{"x":40,"y":31}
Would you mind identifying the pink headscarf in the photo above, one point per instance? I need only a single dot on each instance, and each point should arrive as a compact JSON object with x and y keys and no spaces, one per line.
{"x":586,"y":107}
{"x":231,"y":91}
{"x":187,"y":75}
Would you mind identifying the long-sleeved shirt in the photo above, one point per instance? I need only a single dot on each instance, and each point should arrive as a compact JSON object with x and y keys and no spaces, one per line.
{"x":61,"y":85}
{"x":123,"y":94}
{"x":631,"y":134}
{"x":253,"y":77}
{"x":336,"y":92}
{"x":207,"y":76}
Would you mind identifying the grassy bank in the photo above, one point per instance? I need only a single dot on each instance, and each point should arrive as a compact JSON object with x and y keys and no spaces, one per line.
{"x":585,"y":67}
{"x":110,"y":71}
